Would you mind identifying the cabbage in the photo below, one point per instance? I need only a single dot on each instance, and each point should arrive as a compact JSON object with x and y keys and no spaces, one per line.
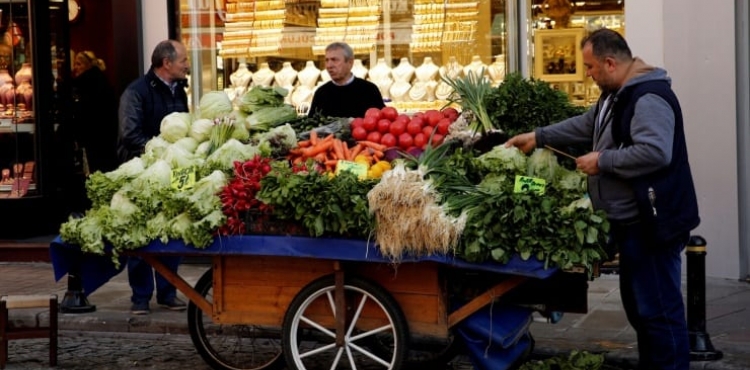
{"x":200,"y":130}
{"x":175,"y":126}
{"x":224,"y":157}
{"x":202,"y":150}
{"x":187,"y":143}
{"x":215,"y":104}
{"x":177,"y":157}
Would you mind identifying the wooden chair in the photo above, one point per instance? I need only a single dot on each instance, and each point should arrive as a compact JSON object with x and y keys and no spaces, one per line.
{"x":8,"y":333}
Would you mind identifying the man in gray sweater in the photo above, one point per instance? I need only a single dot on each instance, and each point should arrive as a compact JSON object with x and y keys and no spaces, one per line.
{"x":638,"y":173}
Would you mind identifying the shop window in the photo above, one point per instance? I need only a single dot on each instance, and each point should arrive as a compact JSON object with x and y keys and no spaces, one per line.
{"x":403,"y":46}
{"x":557,"y":29}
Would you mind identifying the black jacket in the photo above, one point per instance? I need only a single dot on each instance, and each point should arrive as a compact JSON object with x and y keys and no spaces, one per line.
{"x":143,"y":105}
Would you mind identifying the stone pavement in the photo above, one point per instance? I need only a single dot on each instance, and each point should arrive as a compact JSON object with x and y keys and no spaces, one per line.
{"x":604,"y":329}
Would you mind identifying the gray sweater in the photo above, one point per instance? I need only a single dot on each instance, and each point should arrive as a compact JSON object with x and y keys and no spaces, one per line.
{"x":652,"y":132}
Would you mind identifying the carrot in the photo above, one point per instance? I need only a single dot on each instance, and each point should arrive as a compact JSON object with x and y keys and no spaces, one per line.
{"x":304,"y":143}
{"x":347,"y":152}
{"x":298,"y":160}
{"x":297,"y":151}
{"x":330,"y":137}
{"x":332,"y":163}
{"x":321,"y":147}
{"x":378,"y":154}
{"x":355,"y":150}
{"x":338,"y":149}
{"x":313,"y":138}
{"x":373,"y":145}
{"x":320,"y":157}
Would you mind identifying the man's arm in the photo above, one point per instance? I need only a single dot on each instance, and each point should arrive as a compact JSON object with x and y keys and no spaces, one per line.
{"x":130,"y":117}
{"x":652,"y":132}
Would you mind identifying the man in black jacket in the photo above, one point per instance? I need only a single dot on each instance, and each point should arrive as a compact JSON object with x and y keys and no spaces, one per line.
{"x":143,"y":105}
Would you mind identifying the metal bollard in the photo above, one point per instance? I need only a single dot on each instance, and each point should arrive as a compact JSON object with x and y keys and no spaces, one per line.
{"x":701,"y":348}
{"x":74,"y":300}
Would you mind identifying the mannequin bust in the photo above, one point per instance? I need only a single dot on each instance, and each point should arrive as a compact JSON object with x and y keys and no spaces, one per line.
{"x":418,"y":92}
{"x":496,"y":70}
{"x":358,"y":69}
{"x":452,"y":69}
{"x":404,"y":71}
{"x":286,"y":76}
{"x":263,"y":76}
{"x":477,"y":67}
{"x":241,"y":77}
{"x":380,"y":71}
{"x":309,"y":75}
{"x":427,"y":71}
{"x":443,"y":91}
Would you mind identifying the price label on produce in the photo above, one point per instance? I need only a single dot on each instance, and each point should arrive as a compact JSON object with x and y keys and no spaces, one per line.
{"x":183,"y":178}
{"x":526,"y":184}
{"x":358,"y":169}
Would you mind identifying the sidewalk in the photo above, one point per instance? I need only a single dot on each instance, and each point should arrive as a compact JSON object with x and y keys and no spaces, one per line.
{"x":603,"y":329}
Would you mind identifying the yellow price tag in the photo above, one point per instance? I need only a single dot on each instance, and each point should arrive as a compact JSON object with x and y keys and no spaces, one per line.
{"x":358,"y":169}
{"x":182,"y":178}
{"x":526,"y":184}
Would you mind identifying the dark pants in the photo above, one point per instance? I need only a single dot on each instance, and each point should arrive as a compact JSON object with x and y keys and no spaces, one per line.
{"x":650,"y":288}
{"x":141,"y":279}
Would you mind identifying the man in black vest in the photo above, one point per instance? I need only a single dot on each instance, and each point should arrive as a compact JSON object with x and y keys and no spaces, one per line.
{"x":638,"y":173}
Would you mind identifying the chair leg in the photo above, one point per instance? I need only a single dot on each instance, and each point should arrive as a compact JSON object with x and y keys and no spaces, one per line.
{"x":3,"y":334}
{"x":53,"y":308}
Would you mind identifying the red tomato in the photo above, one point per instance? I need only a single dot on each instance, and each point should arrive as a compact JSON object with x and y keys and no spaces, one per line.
{"x":433,"y":117}
{"x":374,"y":137}
{"x":359,"y":133}
{"x":420,"y":140}
{"x":383,"y":125}
{"x":437,"y":139}
{"x":451,"y":113}
{"x":389,"y":113}
{"x":357,"y":122}
{"x":443,"y":125}
{"x":373,"y":112}
{"x":427,"y":131}
{"x":414,"y":127}
{"x":403,"y":117}
{"x":370,"y":124}
{"x":388,"y":140}
{"x":397,"y":127}
{"x":419,"y":119}
{"x":405,"y":141}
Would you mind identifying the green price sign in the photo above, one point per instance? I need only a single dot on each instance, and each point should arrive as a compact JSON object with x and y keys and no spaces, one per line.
{"x":525,"y":184}
{"x":183,"y":178}
{"x":357,"y":168}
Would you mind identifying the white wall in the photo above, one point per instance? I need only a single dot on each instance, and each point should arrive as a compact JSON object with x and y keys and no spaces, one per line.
{"x":694,"y":41}
{"x":155,"y":29}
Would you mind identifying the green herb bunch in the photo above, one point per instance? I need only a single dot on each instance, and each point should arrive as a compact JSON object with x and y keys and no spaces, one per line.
{"x":520,"y":105}
{"x":325,"y":205}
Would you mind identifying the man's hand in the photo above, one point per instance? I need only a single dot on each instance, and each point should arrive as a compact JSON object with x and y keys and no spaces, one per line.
{"x":588,"y":163}
{"x":525,"y":142}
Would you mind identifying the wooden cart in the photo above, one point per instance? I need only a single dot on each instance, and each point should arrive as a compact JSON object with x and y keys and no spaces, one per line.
{"x":265,"y":310}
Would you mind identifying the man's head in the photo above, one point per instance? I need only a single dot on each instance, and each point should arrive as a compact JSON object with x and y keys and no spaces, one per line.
{"x":169,"y":60}
{"x":339,"y":61}
{"x":606,"y":56}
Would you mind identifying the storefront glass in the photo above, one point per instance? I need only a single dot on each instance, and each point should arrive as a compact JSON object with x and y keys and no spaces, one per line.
{"x":403,"y":46}
{"x":556,"y":30}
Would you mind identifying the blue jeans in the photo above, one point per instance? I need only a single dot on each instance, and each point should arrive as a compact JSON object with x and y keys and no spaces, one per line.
{"x":141,"y":279}
{"x":650,"y":289}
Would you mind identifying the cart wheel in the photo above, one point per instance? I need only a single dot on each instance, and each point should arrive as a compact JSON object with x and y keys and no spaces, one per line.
{"x":232,"y":347}
{"x":371,"y":315}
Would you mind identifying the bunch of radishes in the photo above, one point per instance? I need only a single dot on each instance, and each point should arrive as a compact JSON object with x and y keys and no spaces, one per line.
{"x":387,"y":127}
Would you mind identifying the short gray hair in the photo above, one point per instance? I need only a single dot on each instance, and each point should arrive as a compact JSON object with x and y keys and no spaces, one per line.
{"x":164,"y":49}
{"x":348,"y":52}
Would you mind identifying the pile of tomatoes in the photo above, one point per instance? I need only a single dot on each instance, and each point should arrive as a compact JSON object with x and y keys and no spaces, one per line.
{"x":387,"y":127}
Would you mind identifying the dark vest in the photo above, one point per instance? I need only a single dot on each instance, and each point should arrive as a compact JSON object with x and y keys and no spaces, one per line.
{"x":666,"y":198}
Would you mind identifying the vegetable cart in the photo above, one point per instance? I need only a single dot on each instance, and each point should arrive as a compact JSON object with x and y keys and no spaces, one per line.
{"x":270,"y":300}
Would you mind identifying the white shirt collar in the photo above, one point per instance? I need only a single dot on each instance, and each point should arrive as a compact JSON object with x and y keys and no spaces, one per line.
{"x":351,"y":78}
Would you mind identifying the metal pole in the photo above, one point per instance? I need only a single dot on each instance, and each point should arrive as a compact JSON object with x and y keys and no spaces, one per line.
{"x":701,"y":348}
{"x":74,"y":300}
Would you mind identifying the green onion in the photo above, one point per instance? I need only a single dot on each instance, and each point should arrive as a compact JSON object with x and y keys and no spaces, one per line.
{"x":471,"y":91}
